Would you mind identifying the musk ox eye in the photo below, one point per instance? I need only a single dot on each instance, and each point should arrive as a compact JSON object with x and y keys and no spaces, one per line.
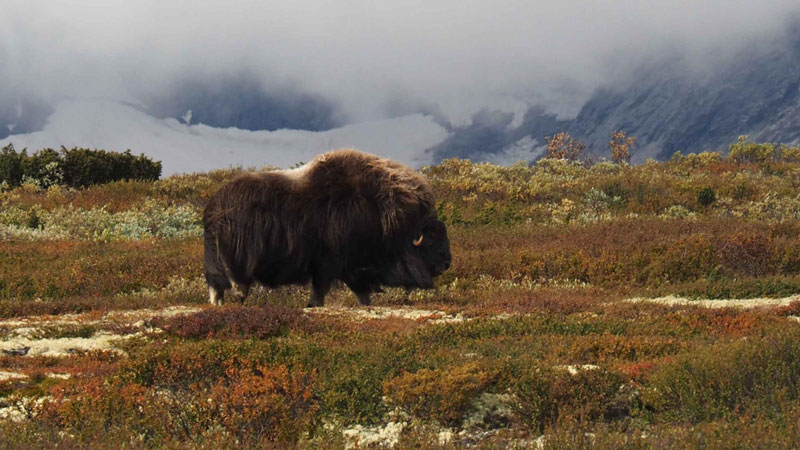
{"x":418,"y":241}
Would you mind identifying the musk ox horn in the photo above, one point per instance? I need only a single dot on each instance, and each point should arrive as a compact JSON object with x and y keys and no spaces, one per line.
{"x":418,"y":241}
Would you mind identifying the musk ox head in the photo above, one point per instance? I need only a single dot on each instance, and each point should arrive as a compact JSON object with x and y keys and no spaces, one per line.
{"x":424,"y":257}
{"x":433,"y":246}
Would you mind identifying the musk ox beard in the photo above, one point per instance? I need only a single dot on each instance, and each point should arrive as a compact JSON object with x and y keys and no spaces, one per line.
{"x":349,"y":216}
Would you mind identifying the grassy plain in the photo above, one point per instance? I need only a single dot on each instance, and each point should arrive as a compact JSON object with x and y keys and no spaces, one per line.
{"x":528,"y":340}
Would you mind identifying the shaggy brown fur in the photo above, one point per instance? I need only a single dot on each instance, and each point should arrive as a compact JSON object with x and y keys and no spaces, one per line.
{"x":345,"y":215}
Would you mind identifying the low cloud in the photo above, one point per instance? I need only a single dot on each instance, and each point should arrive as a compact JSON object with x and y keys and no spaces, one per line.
{"x":373,"y":60}
{"x":459,"y":55}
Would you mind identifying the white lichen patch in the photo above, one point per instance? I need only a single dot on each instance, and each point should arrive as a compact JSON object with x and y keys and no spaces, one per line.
{"x":489,"y":411}
{"x":384,"y":312}
{"x":21,"y":409}
{"x":445,"y":437}
{"x":672,"y":300}
{"x":31,"y":324}
{"x":11,"y":376}
{"x":575,"y":369}
{"x":387,"y":435}
{"x":62,"y":346}
{"x":12,"y":414}
{"x":45,"y":335}
{"x":59,"y":376}
{"x":175,"y":286}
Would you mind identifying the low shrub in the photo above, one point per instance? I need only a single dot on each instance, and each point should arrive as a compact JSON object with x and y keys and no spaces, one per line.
{"x":757,"y":374}
{"x":234,"y":322}
{"x":607,"y":347}
{"x":258,"y":406}
{"x":706,"y":197}
{"x":746,"y":287}
{"x":264,"y":405}
{"x":792,"y":309}
{"x":546,"y":396}
{"x":747,"y":253}
{"x":746,"y":151}
{"x":440,"y":394}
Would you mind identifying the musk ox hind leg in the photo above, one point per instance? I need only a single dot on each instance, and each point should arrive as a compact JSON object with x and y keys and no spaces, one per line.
{"x":214,"y":270}
{"x":215,"y":295}
{"x":319,"y":289}
{"x":216,"y":287}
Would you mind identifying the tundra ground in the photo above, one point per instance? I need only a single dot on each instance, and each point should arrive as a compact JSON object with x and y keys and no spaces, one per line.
{"x":601,"y":307}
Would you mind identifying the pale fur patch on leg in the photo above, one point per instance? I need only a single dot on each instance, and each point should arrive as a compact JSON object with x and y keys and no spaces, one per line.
{"x":213,"y":296}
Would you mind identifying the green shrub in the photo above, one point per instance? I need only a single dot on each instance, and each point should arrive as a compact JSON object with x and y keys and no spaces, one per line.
{"x":84,"y":167}
{"x":77,"y":167}
{"x":790,"y":154}
{"x":11,"y":170}
{"x":706,"y":197}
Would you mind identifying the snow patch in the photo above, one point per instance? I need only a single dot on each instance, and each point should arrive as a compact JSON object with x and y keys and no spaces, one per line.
{"x":191,"y":148}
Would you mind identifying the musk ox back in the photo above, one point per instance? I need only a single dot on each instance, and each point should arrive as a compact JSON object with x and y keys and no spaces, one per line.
{"x":348,"y":216}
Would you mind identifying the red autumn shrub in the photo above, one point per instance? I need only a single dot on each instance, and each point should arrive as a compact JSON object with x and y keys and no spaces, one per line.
{"x":792,"y":309}
{"x":234,"y":321}
{"x":265,"y":404}
{"x":747,"y":253}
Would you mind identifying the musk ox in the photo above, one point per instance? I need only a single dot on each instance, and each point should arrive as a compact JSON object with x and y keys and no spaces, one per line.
{"x":349,"y":216}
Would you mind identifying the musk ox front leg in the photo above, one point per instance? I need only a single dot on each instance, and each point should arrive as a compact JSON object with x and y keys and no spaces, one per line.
{"x":215,"y":295}
{"x":362,"y":291}
{"x":323,"y":271}
{"x":217,"y":283}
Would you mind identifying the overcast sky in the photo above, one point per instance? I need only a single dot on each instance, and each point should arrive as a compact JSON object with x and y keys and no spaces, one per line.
{"x":365,"y":54}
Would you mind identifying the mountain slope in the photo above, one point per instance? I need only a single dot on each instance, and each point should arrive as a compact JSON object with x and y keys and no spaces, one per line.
{"x":668,"y":105}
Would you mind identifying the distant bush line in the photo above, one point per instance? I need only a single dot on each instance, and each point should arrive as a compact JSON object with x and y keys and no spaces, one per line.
{"x":76,"y":167}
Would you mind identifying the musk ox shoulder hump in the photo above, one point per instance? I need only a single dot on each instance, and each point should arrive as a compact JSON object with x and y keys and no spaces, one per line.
{"x":401,"y":193}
